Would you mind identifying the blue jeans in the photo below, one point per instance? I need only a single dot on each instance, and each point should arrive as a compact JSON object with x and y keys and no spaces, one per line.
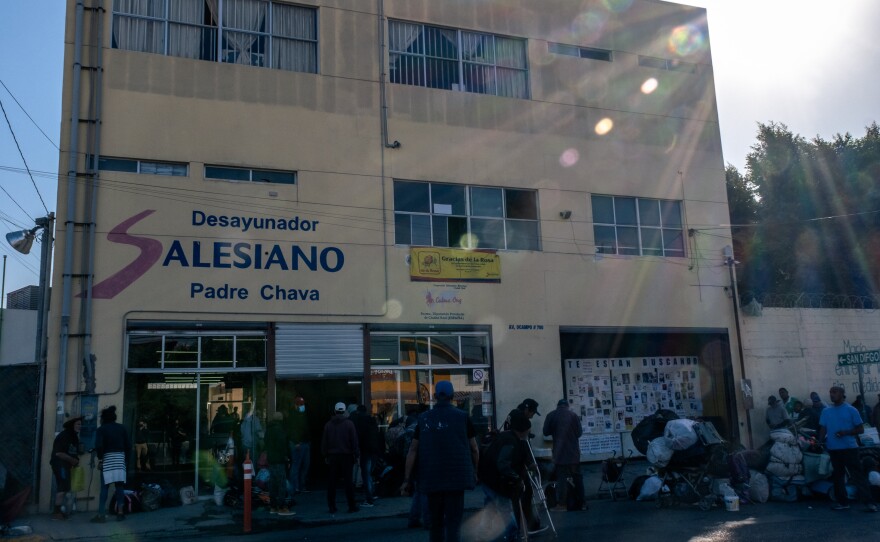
{"x":366,"y":463}
{"x":299,"y":465}
{"x":447,"y":509}
{"x":499,"y":507}
{"x":102,"y":497}
{"x":418,"y":508}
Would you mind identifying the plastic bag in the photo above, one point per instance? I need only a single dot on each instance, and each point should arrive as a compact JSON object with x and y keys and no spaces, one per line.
{"x":759,"y":487}
{"x":680,"y":434}
{"x":650,"y":489}
{"x":659,"y":452}
{"x":77,"y":479}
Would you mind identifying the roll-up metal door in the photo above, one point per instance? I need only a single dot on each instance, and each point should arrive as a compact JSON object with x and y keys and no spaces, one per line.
{"x":317,"y":350}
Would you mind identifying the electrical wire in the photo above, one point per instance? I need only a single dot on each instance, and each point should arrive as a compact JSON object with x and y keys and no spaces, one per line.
{"x":49,"y":139}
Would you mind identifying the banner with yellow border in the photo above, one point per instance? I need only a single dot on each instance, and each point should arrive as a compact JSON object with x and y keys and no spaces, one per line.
{"x":454,"y":265}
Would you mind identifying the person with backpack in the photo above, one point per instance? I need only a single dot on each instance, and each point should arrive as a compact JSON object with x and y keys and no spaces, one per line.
{"x":503,"y":472}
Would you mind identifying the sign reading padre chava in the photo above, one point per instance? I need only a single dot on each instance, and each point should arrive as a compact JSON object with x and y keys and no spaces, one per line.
{"x":249,"y":261}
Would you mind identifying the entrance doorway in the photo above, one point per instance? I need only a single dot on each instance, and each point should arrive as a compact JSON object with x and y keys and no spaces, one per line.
{"x":320,"y":395}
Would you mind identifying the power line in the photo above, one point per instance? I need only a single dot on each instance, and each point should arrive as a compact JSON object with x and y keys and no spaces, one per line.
{"x":28,"y":115}
{"x":20,"y":153}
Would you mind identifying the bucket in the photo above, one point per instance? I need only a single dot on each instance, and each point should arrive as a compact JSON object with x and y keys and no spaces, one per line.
{"x":731,"y":503}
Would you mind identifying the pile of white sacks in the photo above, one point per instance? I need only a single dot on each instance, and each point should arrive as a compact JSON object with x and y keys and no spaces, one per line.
{"x":786,"y":458}
{"x":679,"y":435}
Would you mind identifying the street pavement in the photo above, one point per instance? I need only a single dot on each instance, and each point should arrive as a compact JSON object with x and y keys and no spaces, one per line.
{"x":804,"y":521}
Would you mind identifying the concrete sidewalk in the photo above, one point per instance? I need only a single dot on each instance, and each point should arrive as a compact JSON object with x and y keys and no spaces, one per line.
{"x":205,"y":516}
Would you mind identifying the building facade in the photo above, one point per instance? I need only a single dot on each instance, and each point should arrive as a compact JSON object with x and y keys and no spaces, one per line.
{"x":351,"y":200}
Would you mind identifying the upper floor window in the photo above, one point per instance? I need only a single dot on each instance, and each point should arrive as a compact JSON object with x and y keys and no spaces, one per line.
{"x":582,"y":52}
{"x":146,"y":167}
{"x":252,"y":32}
{"x":637,"y":226}
{"x":435,"y":57}
{"x":250,"y":175}
{"x":667,"y":64}
{"x":455,"y":215}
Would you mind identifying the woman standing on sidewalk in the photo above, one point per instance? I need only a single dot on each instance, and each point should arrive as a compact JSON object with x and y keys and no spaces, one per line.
{"x":113,"y":446}
{"x":65,"y":455}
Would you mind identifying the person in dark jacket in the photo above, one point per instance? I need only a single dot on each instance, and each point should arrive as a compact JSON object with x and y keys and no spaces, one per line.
{"x":277,"y":454}
{"x":504,"y":476}
{"x":300,"y":447}
{"x":565,"y":428}
{"x":65,"y":455}
{"x":368,"y":442}
{"x":339,"y":445}
{"x":113,"y":448}
{"x":445,"y":447}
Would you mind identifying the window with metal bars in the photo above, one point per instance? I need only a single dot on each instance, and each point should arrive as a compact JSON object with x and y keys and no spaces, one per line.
{"x":252,"y":32}
{"x":456,"y":215}
{"x":637,"y":226}
{"x":447,"y":58}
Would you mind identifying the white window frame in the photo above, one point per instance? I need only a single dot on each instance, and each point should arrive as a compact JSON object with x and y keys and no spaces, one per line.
{"x":666,"y":252}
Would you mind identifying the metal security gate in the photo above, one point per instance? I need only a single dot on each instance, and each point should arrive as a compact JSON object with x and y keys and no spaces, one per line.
{"x":18,"y":402}
{"x":318,"y":350}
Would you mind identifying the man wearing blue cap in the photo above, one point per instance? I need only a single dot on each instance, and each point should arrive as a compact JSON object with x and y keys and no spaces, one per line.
{"x":445,"y":447}
{"x":565,"y":428}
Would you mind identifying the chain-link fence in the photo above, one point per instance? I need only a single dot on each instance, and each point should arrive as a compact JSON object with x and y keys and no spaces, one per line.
{"x":19,"y":393}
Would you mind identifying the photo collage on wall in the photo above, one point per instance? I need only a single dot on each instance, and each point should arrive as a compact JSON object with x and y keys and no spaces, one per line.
{"x":614,"y":395}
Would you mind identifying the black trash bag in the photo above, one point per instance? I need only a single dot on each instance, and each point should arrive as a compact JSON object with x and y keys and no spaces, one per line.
{"x":651,"y":427}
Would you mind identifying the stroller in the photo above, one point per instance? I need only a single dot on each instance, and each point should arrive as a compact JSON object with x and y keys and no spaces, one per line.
{"x":613,"y":480}
{"x":688,"y":476}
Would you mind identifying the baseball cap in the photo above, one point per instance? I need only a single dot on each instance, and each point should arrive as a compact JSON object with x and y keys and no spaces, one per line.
{"x":532,"y":405}
{"x":519,"y":422}
{"x":562,"y":402}
{"x":444,"y":388}
{"x":340,"y":407}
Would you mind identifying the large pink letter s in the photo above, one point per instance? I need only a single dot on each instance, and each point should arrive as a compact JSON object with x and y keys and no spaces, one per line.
{"x":151,"y":250}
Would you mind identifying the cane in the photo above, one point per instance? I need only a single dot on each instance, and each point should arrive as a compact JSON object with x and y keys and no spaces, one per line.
{"x":538,"y":487}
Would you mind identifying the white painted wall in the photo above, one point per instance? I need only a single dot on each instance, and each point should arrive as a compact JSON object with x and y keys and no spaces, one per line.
{"x":797,"y":349}
{"x":18,"y":340}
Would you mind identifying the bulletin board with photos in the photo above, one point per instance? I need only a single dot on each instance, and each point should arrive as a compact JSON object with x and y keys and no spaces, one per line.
{"x":612,"y":395}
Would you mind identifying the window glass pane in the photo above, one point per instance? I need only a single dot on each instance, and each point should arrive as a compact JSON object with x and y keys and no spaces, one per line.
{"x":596,"y":54}
{"x":244,"y":48}
{"x":673,"y":241}
{"x":652,"y":244}
{"x":402,"y":229}
{"x":421,"y":230}
{"x":280,"y":177}
{"x":522,"y":204}
{"x":628,"y":239}
{"x":441,"y":73}
{"x":245,"y":14}
{"x":405,"y":37}
{"x":671,"y":213}
{"x":606,"y":242}
{"x":603,"y":210}
{"x":412,"y":197}
{"x":487,"y":233}
{"x":649,"y":212}
{"x":561,"y":49}
{"x":217,"y":351}
{"x":510,"y":53}
{"x":441,"y":42}
{"x":181,"y":352}
{"x":413,"y":350}
{"x":474,"y":350}
{"x":144,"y":352}
{"x":295,"y":55}
{"x":293,"y":21}
{"x":448,"y":199}
{"x":625,"y":211}
{"x":383,"y":350}
{"x":163,"y":168}
{"x":486,"y":202}
{"x":227,"y":173}
{"x":441,"y":231}
{"x":117,"y":164}
{"x":458,"y":229}
{"x":149,"y":8}
{"x":444,"y":350}
{"x":478,"y":48}
{"x":522,"y":235}
{"x":250,"y":351}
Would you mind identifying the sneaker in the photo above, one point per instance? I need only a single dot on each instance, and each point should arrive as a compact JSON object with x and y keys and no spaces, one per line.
{"x":284,"y":511}
{"x":871,"y":508}
{"x":367,"y":504}
{"x":273,"y":510}
{"x":100,"y":518}
{"x":840,"y":507}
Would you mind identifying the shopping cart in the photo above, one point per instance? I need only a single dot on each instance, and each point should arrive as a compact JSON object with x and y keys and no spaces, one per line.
{"x":613,"y":480}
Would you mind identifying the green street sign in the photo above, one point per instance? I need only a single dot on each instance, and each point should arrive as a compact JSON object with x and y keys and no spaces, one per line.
{"x":858,"y":358}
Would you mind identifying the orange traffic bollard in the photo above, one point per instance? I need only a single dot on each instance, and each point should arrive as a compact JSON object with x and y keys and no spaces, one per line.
{"x":248,"y":469}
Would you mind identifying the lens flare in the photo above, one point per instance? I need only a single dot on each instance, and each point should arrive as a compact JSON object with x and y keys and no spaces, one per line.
{"x":686,"y":40}
{"x":569,"y":157}
{"x":587,"y":27}
{"x":604,"y":126}
{"x":617,"y":6}
{"x":649,"y":86}
{"x":393,"y":309}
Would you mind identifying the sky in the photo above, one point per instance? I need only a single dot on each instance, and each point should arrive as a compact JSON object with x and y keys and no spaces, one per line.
{"x":810,"y":64}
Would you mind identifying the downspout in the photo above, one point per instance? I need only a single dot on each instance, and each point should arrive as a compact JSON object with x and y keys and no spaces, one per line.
{"x":731,"y":266}
{"x":383,"y":103}
{"x":93,"y":204}
{"x":72,"y":162}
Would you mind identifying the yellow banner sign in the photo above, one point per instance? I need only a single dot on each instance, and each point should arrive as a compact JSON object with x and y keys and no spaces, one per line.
{"x":456,"y":265}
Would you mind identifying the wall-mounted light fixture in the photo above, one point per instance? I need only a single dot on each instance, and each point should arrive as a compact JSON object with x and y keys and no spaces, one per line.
{"x":565,"y":215}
